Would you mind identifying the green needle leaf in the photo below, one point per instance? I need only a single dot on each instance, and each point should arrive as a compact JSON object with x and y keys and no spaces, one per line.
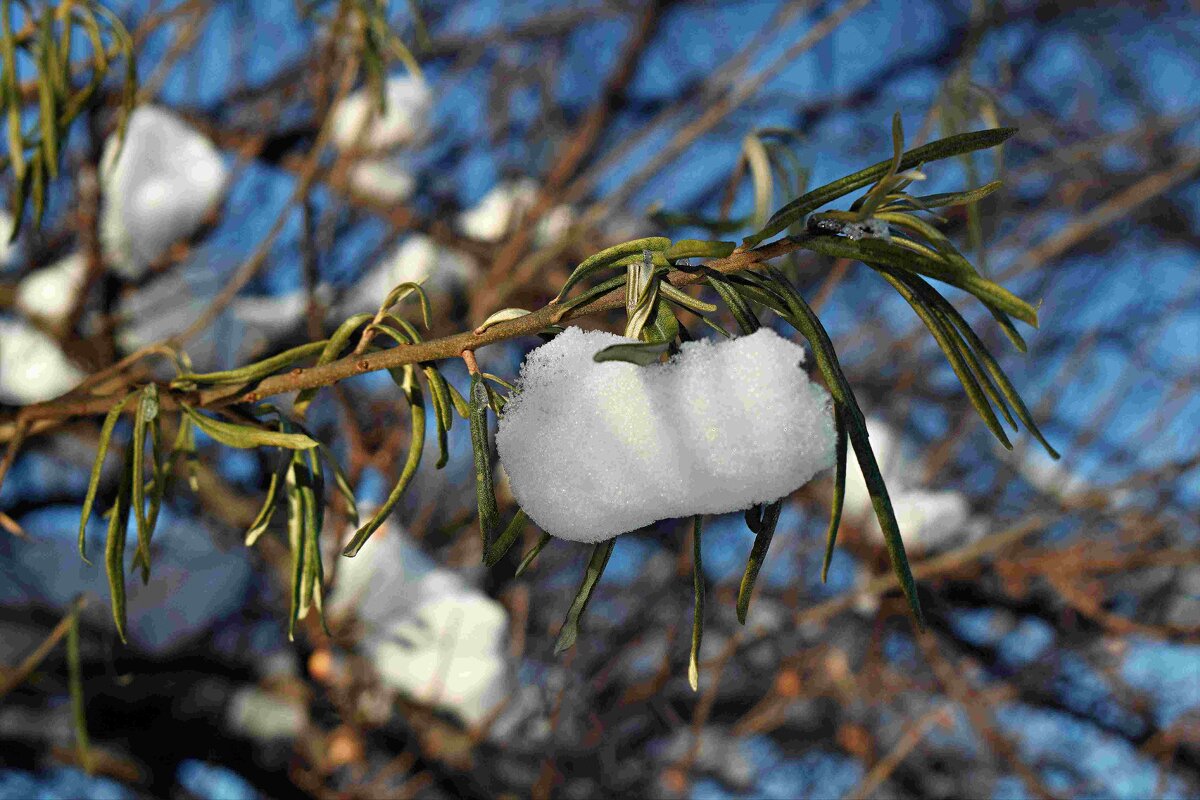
{"x":75,"y":681}
{"x":114,"y":548}
{"x":334,"y":345}
{"x":698,"y":612}
{"x":609,"y":258}
{"x":247,"y":436}
{"x":257,"y":370}
{"x":934,"y":151}
{"x":485,"y":493}
{"x":758,"y":554}
{"x":416,"y":403}
{"x":529,"y":557}
{"x":640,"y":353}
{"x":699,"y":248}
{"x":89,"y":498}
{"x":839,"y":490}
{"x":263,"y":519}
{"x":496,"y":550}
{"x":595,"y":568}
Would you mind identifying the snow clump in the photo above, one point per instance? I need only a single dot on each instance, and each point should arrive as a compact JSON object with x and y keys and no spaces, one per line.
{"x":48,"y":293}
{"x":158,"y":190}
{"x":32,"y":367}
{"x":404,"y":120}
{"x":593,"y":450}
{"x":928,"y":520}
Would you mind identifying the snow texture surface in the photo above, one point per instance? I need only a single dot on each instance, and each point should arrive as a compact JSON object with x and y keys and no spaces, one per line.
{"x":158,"y":189}
{"x":593,"y":450}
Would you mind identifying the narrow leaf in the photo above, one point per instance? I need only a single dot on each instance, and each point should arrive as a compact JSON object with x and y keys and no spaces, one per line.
{"x":934,"y":151}
{"x":247,"y":436}
{"x":698,"y":612}
{"x":758,"y":554}
{"x":640,"y":353}
{"x":529,"y":557}
{"x":607,"y":258}
{"x":595,"y":568}
{"x":89,"y":498}
{"x":485,"y":493}
{"x":78,"y":702}
{"x":496,"y":550}
{"x":333,"y":348}
{"x":114,"y":549}
{"x":839,"y":490}
{"x":699,"y":248}
{"x":416,"y":403}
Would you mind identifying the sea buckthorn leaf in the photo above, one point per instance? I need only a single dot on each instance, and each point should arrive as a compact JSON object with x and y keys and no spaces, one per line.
{"x":948,"y":147}
{"x":247,"y":436}
{"x":699,"y":248}
{"x":984,"y":357}
{"x":611,"y":258}
{"x":595,"y":568}
{"x":503,"y":315}
{"x":640,"y":353}
{"x":496,"y":550}
{"x":89,"y":498}
{"x":839,"y":489}
{"x":949,"y":344}
{"x":698,"y":610}
{"x":681,"y":298}
{"x":257,"y":370}
{"x":742,"y":313}
{"x":402,"y":291}
{"x":114,"y":548}
{"x":485,"y":493}
{"x":416,"y":404}
{"x":758,"y":553}
{"x":333,"y":347}
{"x":263,"y":518}
{"x":874,"y":251}
{"x":528,"y":559}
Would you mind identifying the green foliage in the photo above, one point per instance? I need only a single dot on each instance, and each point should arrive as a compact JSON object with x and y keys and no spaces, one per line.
{"x":39,"y":40}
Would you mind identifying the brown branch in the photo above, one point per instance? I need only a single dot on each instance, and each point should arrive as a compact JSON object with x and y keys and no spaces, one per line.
{"x":433,"y":350}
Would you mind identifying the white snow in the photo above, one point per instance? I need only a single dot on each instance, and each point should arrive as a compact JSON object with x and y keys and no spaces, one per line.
{"x":928,"y":520}
{"x":49,"y":292}
{"x":405,"y":119}
{"x":430,"y":634}
{"x":8,"y":252}
{"x":32,"y":367}
{"x":158,"y":191}
{"x":386,"y":181}
{"x":594,"y":450}
{"x":417,"y":258}
{"x":500,"y":210}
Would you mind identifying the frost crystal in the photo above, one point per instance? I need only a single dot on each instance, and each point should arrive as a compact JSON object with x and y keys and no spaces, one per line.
{"x":594,"y":450}
{"x":166,"y":178}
